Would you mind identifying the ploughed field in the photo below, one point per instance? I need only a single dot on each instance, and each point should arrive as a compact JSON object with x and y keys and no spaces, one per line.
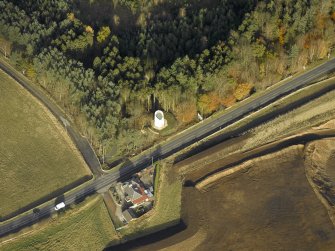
{"x":37,"y":158}
{"x":268,"y":204}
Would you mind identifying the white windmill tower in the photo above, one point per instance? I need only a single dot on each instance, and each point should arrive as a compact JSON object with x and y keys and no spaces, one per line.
{"x":159,"y":121}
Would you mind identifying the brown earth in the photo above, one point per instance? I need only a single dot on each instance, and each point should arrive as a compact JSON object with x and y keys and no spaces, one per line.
{"x":283,"y":200}
{"x":320,"y":167}
{"x":268,"y":205}
{"x":323,"y":155}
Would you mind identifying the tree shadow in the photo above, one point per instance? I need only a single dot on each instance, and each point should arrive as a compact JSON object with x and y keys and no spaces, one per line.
{"x":57,"y":193}
{"x":36,"y":210}
{"x":171,"y":33}
{"x":131,"y":166}
{"x":189,"y":183}
{"x":25,"y":221}
{"x":44,"y":212}
{"x":84,"y":193}
{"x":116,"y":163}
{"x":79,"y":199}
{"x":126,"y":170}
{"x":102,"y":12}
{"x":271,"y":149}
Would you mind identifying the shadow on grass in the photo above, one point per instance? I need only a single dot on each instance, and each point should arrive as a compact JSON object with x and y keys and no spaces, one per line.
{"x":275,"y":147}
{"x":129,"y":167}
{"x":38,"y":214}
{"x":115,"y":163}
{"x":150,"y":236}
{"x":189,"y":183}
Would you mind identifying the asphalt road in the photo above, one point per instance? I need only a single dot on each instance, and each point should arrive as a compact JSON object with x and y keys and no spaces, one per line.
{"x":172,"y":146}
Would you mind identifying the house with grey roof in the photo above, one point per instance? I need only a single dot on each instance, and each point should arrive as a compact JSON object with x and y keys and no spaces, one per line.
{"x":134,"y":192}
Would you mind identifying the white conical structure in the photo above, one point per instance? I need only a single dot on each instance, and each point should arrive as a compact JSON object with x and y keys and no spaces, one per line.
{"x":159,"y":121}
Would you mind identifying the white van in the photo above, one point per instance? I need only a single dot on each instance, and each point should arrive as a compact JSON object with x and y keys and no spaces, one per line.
{"x":59,"y":206}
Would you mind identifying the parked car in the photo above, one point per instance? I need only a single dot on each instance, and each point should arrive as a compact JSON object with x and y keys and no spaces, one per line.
{"x":59,"y":206}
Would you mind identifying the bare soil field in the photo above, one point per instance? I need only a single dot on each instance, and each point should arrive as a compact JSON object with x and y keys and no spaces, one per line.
{"x":269,"y":205}
{"x":324,"y":156}
{"x":320,"y":168}
{"x":282,"y":199}
{"x":37,"y":158}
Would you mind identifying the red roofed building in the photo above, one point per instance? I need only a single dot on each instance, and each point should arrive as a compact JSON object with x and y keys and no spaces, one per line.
{"x":135,"y":193}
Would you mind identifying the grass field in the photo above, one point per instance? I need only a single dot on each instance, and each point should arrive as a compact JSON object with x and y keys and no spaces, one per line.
{"x":37,"y":158}
{"x":83,"y":228}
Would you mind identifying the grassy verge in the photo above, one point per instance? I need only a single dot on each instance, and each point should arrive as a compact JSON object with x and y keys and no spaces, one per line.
{"x":171,"y":127}
{"x":285,"y":105}
{"x":293,"y":121}
{"x":290,"y":106}
{"x":37,"y":158}
{"x":86,"y":228}
{"x":311,"y":114}
{"x":157,"y":177}
{"x":166,"y":211}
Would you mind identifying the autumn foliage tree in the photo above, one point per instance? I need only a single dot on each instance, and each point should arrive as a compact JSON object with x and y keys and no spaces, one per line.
{"x":281,"y":35}
{"x":228,"y":101}
{"x":186,"y":111}
{"x":208,"y":103}
{"x":333,"y":16}
{"x":243,"y":90}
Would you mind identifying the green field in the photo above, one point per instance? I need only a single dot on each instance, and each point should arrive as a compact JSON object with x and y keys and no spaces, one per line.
{"x":37,"y":158}
{"x":83,"y":228}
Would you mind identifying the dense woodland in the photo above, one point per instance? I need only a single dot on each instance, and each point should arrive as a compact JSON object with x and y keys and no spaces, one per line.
{"x":111,"y":71}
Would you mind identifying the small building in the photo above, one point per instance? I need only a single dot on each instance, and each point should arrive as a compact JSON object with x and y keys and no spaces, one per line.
{"x":135,"y":193}
{"x":128,"y":215}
